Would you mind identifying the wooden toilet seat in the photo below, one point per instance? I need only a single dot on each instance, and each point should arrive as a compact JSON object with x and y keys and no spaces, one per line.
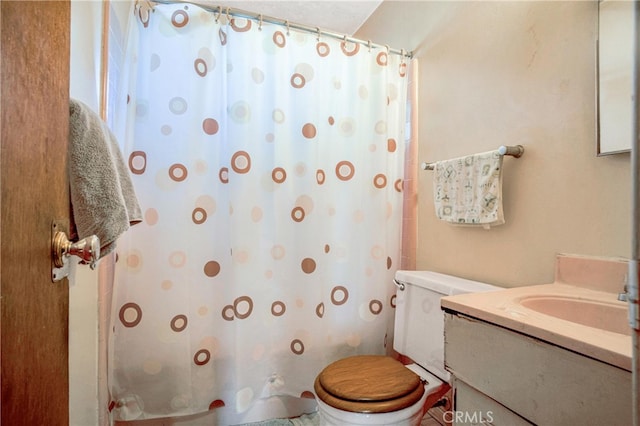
{"x":368,"y":384}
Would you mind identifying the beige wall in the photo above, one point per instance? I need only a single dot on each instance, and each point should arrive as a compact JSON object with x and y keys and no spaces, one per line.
{"x":504,"y":73}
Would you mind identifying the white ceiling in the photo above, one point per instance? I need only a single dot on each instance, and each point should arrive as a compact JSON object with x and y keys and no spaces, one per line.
{"x":340,"y":16}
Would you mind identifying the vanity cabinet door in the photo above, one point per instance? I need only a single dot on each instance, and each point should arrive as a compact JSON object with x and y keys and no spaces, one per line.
{"x":541,"y":382}
{"x":473,"y":407}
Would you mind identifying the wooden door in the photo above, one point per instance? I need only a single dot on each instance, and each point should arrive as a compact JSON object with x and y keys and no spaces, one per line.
{"x":34,"y":88}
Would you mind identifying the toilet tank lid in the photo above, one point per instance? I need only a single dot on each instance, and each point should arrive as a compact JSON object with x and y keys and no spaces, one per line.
{"x":442,"y":283}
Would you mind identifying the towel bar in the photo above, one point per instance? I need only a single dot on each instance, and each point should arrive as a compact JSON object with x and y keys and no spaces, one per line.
{"x":514,"y":151}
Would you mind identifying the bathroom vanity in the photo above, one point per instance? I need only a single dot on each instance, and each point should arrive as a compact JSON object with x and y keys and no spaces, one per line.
{"x":552,"y":354}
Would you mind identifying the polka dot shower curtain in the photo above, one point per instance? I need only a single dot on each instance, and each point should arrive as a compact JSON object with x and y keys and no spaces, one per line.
{"x":269,"y":165}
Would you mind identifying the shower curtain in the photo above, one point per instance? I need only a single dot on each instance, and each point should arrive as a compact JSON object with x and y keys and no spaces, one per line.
{"x":269,"y":166}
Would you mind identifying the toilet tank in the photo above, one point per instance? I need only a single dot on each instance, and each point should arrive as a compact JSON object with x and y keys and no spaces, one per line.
{"x":419,"y":321}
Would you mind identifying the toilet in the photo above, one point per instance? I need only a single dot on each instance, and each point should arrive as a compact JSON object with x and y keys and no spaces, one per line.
{"x":380,"y":390}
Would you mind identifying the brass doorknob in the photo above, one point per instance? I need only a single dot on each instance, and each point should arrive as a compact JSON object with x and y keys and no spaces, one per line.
{"x":87,"y":249}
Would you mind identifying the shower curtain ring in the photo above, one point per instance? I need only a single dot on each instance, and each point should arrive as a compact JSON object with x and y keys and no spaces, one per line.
{"x":228,"y":16}
{"x":260,"y":23}
{"x":286,"y":24}
{"x":219,"y":13}
{"x":318,"y":30}
{"x":369,"y":45}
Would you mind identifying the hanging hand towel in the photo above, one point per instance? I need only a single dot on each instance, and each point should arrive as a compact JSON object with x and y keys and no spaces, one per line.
{"x":103,"y":200}
{"x":468,"y":190}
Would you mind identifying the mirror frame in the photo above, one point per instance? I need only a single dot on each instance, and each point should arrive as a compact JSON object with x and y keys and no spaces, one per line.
{"x":614,"y":87}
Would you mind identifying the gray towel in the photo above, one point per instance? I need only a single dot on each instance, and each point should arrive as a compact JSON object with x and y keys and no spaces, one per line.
{"x":103,"y":200}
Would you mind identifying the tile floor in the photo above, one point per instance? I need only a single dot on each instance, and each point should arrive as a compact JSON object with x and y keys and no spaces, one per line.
{"x":434,"y":417}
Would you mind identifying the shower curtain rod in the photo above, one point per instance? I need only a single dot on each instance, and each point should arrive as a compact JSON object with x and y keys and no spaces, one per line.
{"x":289,"y":25}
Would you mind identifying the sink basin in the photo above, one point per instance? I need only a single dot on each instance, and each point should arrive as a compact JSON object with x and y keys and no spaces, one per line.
{"x":611,"y":317}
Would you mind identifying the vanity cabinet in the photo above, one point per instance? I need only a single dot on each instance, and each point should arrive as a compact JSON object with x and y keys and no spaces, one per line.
{"x":503,"y":377}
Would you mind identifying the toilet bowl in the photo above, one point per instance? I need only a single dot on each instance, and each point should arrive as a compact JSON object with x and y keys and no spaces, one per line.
{"x":380,"y":390}
{"x":374,"y":390}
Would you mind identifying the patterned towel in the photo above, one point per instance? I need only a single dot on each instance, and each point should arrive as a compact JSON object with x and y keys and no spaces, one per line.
{"x":468,"y":190}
